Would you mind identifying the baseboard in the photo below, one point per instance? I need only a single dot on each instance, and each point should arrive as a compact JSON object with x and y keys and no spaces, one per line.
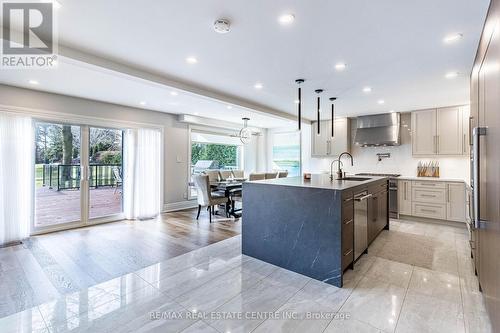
{"x":435,"y":221}
{"x":175,"y":206}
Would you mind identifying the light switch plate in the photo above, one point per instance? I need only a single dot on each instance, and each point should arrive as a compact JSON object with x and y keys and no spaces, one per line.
{"x":179,"y":159}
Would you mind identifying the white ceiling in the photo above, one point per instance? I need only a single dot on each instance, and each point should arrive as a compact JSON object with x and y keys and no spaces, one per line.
{"x":396,"y":47}
{"x":79,"y":79}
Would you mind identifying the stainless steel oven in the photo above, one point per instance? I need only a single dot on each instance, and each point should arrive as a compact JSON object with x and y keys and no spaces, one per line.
{"x":393,"y":198}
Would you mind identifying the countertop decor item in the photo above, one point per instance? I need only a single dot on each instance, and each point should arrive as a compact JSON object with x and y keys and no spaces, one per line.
{"x":428,"y":169}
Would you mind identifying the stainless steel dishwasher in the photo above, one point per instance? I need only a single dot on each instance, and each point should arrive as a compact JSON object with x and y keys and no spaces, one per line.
{"x":360,"y":223}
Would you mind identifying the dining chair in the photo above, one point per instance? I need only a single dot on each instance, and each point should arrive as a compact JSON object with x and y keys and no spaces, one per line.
{"x":238,"y":174}
{"x":271,"y":175}
{"x":283,"y":174}
{"x":257,"y":176}
{"x":207,"y":198}
{"x":225,"y":174}
{"x":213,"y":175}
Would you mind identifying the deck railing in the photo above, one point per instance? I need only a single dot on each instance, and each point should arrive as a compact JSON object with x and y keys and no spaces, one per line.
{"x":67,"y":176}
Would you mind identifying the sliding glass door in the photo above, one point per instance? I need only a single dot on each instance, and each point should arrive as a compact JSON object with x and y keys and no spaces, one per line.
{"x":78,"y":175}
{"x":57,"y":174}
{"x":105,"y":166}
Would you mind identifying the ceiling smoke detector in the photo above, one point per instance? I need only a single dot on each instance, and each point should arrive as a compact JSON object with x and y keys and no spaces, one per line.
{"x":222,"y":26}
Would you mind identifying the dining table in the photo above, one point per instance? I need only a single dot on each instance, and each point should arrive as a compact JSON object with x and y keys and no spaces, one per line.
{"x":230,"y":188}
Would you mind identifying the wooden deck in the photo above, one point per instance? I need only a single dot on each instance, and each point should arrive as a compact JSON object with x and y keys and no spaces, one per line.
{"x":55,"y":207}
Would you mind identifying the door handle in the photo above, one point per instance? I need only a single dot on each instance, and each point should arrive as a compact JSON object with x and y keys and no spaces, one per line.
{"x":476,"y":133}
{"x":363,"y":197}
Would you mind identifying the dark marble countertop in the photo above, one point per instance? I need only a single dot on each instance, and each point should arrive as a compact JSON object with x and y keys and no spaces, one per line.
{"x":321,"y":181}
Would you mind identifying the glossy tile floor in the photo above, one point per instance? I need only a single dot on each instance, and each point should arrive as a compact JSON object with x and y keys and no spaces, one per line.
{"x":416,"y":277}
{"x":46,"y":267}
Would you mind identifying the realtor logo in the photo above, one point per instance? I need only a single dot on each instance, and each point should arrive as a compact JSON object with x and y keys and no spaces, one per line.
{"x":28,"y":35}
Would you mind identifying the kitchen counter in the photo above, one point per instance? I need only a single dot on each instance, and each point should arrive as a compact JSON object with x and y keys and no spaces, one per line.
{"x":431,"y":179}
{"x":320,"y":181}
{"x":308,"y":226}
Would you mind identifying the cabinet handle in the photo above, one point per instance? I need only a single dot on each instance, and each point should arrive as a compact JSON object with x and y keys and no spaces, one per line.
{"x":463,"y":144}
{"x":348,"y":253}
{"x":448,"y":194}
{"x":427,"y":195}
{"x":428,"y":210}
{"x":348,"y":222}
{"x":406,"y":190}
{"x":470,"y":130}
{"x":437,"y":144}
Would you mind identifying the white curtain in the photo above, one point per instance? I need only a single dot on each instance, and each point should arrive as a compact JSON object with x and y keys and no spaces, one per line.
{"x":142,"y":173}
{"x":16,"y":177}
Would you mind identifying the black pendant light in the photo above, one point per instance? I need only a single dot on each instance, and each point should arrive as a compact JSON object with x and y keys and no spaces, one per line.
{"x":319,"y":91}
{"x":333,"y":115}
{"x":299,"y":116}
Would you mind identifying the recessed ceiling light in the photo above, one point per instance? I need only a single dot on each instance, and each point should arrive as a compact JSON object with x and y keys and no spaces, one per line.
{"x":258,"y":85}
{"x":34,"y":82}
{"x":191,"y":60}
{"x":451,"y":75}
{"x":174,"y":93}
{"x":229,"y":107}
{"x":381,"y":101}
{"x":452,"y":38}
{"x":286,"y":19}
{"x":142,"y":102}
{"x":196,"y":113}
{"x":340,"y":66}
{"x":367,"y":89}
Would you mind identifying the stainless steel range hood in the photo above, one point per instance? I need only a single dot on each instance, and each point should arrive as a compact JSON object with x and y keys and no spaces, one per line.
{"x":378,"y":130}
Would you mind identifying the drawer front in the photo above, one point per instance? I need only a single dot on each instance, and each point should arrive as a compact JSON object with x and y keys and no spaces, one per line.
{"x":347,"y":196}
{"x":379,"y":187}
{"x":432,"y":211}
{"x":347,"y":235}
{"x":437,"y":195}
{"x":347,"y":212}
{"x":347,"y":258}
{"x":429,"y":184}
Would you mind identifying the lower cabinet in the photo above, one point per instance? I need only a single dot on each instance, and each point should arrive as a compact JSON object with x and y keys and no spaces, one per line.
{"x":432,"y":199}
{"x":404,"y":197}
{"x":377,"y":211}
{"x":347,"y":229}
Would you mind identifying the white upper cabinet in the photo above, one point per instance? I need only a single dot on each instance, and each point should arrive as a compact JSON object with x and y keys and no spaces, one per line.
{"x":466,"y":125}
{"x":423,"y":125}
{"x":323,"y":144}
{"x":449,"y":131}
{"x":439,"y":131}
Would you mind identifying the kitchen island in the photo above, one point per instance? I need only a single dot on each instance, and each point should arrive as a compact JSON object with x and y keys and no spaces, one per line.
{"x":310,"y":226}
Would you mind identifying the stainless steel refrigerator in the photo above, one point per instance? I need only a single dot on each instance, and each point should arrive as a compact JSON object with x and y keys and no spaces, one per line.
{"x":485,"y":182}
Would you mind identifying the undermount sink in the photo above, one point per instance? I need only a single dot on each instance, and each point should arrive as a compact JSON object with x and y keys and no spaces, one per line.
{"x":356,"y":179}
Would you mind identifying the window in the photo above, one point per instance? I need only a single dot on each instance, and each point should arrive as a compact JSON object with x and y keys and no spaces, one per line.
{"x":217,"y":151}
{"x":286,"y":153}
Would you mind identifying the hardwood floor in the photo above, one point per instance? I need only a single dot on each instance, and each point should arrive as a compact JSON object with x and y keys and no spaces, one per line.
{"x":48,"y":266}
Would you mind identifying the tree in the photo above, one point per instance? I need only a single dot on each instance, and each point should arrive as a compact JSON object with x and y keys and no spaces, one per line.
{"x":67,"y":151}
{"x":226,"y":155}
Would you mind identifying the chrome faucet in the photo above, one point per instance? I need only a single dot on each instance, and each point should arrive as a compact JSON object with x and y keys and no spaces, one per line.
{"x":331,"y":167}
{"x":340,"y":174}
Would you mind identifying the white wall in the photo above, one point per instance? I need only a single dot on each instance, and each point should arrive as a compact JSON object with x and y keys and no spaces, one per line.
{"x":176,"y":134}
{"x":401,"y":160}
